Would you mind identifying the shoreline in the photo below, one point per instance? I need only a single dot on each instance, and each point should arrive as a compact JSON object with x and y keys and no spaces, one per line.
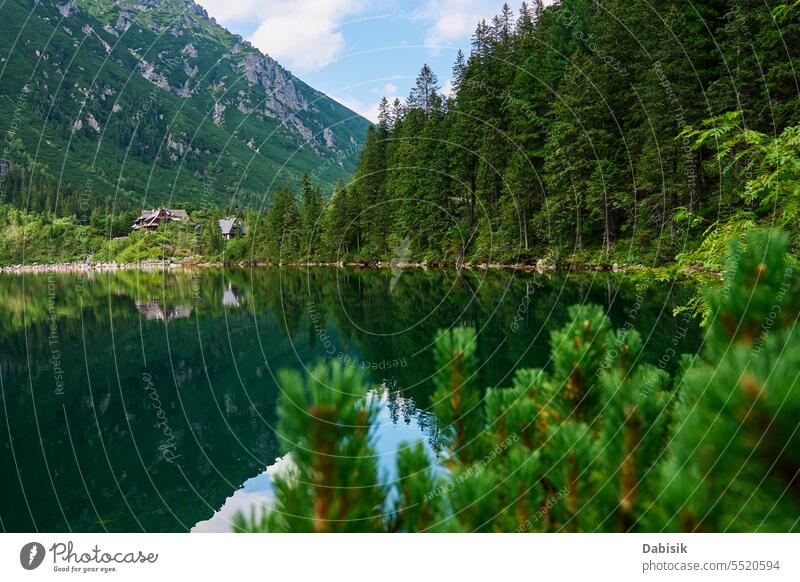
{"x":540,"y":266}
{"x":36,"y":268}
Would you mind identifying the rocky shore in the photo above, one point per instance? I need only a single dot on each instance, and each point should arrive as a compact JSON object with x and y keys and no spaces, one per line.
{"x":91,"y":267}
{"x":540,"y":266}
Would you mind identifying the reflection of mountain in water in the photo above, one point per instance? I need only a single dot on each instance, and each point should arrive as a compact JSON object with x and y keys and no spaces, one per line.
{"x":213,"y":375}
{"x":398,"y":422}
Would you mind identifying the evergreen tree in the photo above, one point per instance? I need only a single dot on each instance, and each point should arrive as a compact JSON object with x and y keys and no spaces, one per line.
{"x":600,"y":441}
{"x":761,"y":49}
{"x":459,"y":70}
{"x":281,"y":233}
{"x":311,"y":215}
{"x":339,"y":233}
{"x":732,"y":463}
{"x":563,"y":137}
{"x":211,"y":242}
{"x":332,"y":483}
{"x":369,"y":188}
{"x":422,"y":95}
{"x":384,"y":117}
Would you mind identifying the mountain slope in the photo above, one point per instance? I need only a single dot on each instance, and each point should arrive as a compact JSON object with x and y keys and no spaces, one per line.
{"x":152,"y":102}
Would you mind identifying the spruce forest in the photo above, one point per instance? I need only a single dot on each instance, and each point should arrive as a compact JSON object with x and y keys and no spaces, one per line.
{"x":591,"y":131}
{"x":604,"y":129}
{"x":584,"y":131}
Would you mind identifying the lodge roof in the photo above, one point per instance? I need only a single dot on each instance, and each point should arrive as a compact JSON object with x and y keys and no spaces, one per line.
{"x":154,"y":216}
{"x":226,"y":225}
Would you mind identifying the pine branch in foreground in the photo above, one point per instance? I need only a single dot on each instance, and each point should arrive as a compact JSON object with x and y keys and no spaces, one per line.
{"x":601,"y":442}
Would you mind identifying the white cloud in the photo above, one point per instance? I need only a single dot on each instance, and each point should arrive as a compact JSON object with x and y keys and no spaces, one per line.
{"x":450,"y":21}
{"x":448,"y":89}
{"x":227,"y":12}
{"x":303,"y":34}
{"x":370,"y":110}
{"x":387,"y":89}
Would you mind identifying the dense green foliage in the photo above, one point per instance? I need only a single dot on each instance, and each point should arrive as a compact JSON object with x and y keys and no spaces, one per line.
{"x":600,"y":131}
{"x":560,"y":137}
{"x":41,"y":237}
{"x":771,"y":164}
{"x":599,"y":440}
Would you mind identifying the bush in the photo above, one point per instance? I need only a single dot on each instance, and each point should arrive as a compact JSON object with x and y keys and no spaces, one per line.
{"x":600,"y":442}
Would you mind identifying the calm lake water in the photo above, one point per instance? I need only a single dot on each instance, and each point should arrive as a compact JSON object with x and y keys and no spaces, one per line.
{"x":96,"y":372}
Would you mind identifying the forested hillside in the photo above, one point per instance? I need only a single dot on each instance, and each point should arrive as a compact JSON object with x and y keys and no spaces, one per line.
{"x":566,"y":133}
{"x":152,"y":102}
{"x":594,"y":131}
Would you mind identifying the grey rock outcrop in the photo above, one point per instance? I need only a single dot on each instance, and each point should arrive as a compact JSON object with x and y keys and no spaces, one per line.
{"x":330,"y":141}
{"x":123,"y":22}
{"x":148,"y":71}
{"x":262,"y":70}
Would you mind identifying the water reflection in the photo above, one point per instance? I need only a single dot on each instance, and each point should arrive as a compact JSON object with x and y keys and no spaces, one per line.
{"x":154,"y":310}
{"x":145,"y":401}
{"x":229,"y":297}
{"x":398,"y":421}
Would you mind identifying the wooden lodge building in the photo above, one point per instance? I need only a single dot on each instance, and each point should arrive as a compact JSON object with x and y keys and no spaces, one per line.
{"x":231,"y":227}
{"x":152,"y":219}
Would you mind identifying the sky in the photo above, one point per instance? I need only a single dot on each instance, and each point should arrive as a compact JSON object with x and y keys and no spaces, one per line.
{"x":357,"y":51}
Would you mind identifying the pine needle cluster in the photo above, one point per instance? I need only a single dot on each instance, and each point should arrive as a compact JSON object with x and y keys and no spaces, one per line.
{"x":598,"y":441}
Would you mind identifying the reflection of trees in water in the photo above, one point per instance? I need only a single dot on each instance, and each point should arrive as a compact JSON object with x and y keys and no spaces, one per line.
{"x":222,"y":426}
{"x":370,"y":321}
{"x":404,"y":409}
{"x":216,"y":386}
{"x":514,"y":313}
